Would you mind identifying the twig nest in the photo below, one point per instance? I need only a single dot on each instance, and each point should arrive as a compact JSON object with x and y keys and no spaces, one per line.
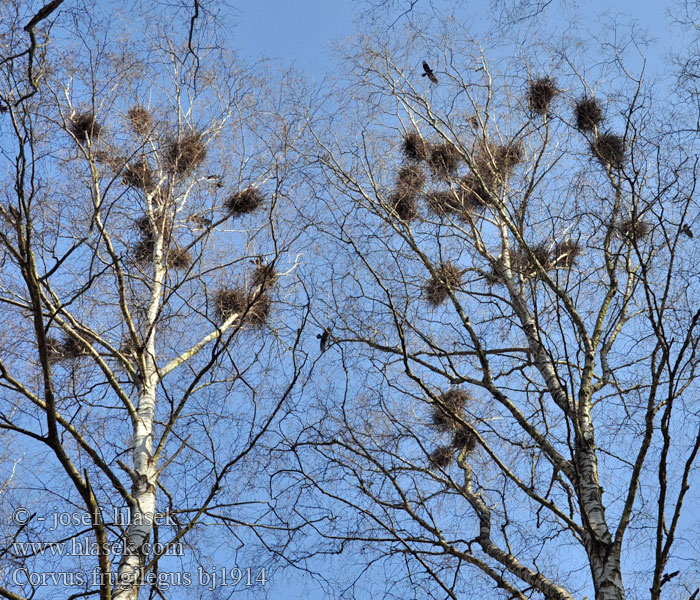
{"x":609,"y":148}
{"x":65,"y":349}
{"x":441,"y":457}
{"x":444,"y":159}
{"x":187,"y":154}
{"x":446,"y":202}
{"x":508,"y":156}
{"x":244,"y":202}
{"x":139,"y":175}
{"x":449,"y":409}
{"x":633,"y":229}
{"x":84,"y":126}
{"x":565,"y":254}
{"x":414,"y":147}
{"x":588,"y":113}
{"x":143,"y":250}
{"x":403,"y":204}
{"x":178,"y":258}
{"x":140,"y":120}
{"x":252,"y":308}
{"x":437,"y":288}
{"x":540,"y":94}
{"x":411,"y":178}
{"x":473,"y":193}
{"x":264,"y":276}
{"x":463,"y":439}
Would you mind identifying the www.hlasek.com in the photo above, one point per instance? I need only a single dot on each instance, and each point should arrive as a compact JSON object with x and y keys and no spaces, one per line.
{"x":211,"y":579}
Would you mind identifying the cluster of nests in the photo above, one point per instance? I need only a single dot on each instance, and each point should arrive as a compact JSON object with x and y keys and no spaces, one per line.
{"x":562,"y":256}
{"x":66,"y":348}
{"x":607,"y":147}
{"x":448,"y":416}
{"x":251,"y":303}
{"x":243,"y":202}
{"x":175,"y":257}
{"x":465,"y":195}
{"x":180,"y":156}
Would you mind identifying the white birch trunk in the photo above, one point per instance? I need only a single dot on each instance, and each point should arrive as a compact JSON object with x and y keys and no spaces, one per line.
{"x":144,"y":476}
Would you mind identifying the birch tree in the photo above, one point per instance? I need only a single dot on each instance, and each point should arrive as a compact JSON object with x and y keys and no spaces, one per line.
{"x":517,"y":326}
{"x":146,"y":267}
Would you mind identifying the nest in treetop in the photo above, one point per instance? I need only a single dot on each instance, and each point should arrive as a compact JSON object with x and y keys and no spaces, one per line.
{"x":245,"y":201}
{"x":441,"y":457}
{"x":178,"y":258}
{"x":609,"y":148}
{"x":464,"y":439}
{"x":446,"y":277}
{"x":565,"y":254}
{"x":473,"y":193}
{"x":508,"y":156}
{"x":403,"y":204}
{"x":264,"y":276}
{"x":253,"y":308}
{"x":634,"y":229}
{"x":65,"y":349}
{"x":143,"y":250}
{"x":140,"y":120}
{"x":540,"y":94}
{"x":522,"y":264}
{"x":84,"y":125}
{"x":186,"y":154}
{"x":588,"y":113}
{"x":411,"y":179}
{"x":415,"y":147}
{"x":139,"y":175}
{"x":447,"y":202}
{"x":444,"y":159}
{"x":449,"y":409}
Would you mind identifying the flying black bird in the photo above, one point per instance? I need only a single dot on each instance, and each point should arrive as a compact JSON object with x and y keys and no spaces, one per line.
{"x":686,"y":229}
{"x":324,"y":338}
{"x":428,"y":72}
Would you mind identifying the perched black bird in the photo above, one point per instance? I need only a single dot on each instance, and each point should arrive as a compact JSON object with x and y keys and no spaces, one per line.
{"x":686,"y":229}
{"x":428,"y":72}
{"x":324,"y":338}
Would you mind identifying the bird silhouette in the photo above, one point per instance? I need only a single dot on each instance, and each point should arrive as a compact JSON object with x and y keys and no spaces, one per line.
{"x":428,"y":72}
{"x":686,"y":229}
{"x":324,"y":337}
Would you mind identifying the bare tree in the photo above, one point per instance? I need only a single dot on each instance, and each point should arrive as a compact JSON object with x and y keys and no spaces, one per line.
{"x":149,"y":333}
{"x":513,"y":301}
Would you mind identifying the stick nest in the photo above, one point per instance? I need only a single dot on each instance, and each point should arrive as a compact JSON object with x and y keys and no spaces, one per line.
{"x":84,"y":126}
{"x":244,"y":202}
{"x":464,"y":439}
{"x":634,"y":229}
{"x":64,"y":349}
{"x":252,"y":308}
{"x":565,"y":254}
{"x":609,"y":148}
{"x":140,"y":120}
{"x":589,"y":114}
{"x":444,"y":160}
{"x":441,"y":457}
{"x":446,"y":277}
{"x":414,"y":147}
{"x":187,"y":154}
{"x":404,"y":205}
{"x":139,"y":175}
{"x":540,"y":94}
{"x":449,"y":409}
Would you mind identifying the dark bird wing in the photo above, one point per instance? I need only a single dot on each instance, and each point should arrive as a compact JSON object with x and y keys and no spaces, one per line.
{"x":324,"y":339}
{"x":428,"y":72}
{"x":686,"y":229}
